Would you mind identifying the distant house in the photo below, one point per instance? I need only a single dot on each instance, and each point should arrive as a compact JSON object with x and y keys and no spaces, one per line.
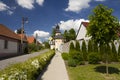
{"x":10,"y":43}
{"x":31,"y":40}
{"x":57,"y":40}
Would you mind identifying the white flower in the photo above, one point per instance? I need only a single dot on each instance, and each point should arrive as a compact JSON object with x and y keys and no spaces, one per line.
{"x":35,"y":63}
{"x":2,"y":78}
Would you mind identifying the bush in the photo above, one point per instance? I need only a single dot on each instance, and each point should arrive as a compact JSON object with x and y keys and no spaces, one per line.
{"x":72,"y":62}
{"x":93,"y":58}
{"x":65,"y":56}
{"x":28,"y":70}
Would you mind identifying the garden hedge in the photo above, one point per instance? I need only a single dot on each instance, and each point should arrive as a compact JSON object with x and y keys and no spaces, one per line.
{"x":28,"y":70}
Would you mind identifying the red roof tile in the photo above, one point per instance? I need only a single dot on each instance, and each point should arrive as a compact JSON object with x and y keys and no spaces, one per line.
{"x":85,"y":23}
{"x":30,"y":39}
{"x":4,"y":31}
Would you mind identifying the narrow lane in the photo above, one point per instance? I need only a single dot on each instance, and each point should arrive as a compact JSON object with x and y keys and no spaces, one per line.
{"x":7,"y":62}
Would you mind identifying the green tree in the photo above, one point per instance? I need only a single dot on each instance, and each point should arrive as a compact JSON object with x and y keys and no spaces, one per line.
{"x":72,"y":34}
{"x":102,"y":27}
{"x":77,"y":46}
{"x":119,"y":50}
{"x":53,"y":32}
{"x":72,"y":47}
{"x":84,"y":50}
{"x":90,"y":46}
{"x":47,"y":45}
{"x":66,"y":35}
{"x":114,"y":52}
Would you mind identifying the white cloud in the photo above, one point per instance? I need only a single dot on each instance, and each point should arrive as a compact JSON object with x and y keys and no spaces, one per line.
{"x":41,"y":34}
{"x":40,"y":2}
{"x":4,"y":7}
{"x":100,"y":0}
{"x":28,"y":4}
{"x":77,"y":5}
{"x":75,"y":24}
{"x":10,"y":12}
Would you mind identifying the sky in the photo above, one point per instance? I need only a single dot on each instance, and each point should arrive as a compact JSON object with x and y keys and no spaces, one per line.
{"x":43,"y":15}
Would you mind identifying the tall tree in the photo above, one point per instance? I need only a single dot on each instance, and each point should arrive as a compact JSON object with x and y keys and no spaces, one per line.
{"x":66,"y":36}
{"x":84,"y":50}
{"x":72,"y":47}
{"x":77,"y":46}
{"x":53,"y":32}
{"x":90,"y":46}
{"x":119,"y":50}
{"x":114,"y":52}
{"x":72,"y":34}
{"x":102,"y":27}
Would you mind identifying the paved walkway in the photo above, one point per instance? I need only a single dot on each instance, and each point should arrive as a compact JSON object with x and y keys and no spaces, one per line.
{"x":56,"y":69}
{"x":7,"y":62}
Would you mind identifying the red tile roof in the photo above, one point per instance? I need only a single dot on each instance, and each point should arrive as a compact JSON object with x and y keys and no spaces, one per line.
{"x":30,"y":39}
{"x":4,"y":31}
{"x":85,"y":23}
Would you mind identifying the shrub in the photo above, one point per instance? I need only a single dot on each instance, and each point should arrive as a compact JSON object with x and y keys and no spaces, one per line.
{"x":72,"y":47}
{"x":77,"y":46}
{"x":84,"y":50}
{"x":72,"y":62}
{"x":93,"y":58}
{"x":65,"y":56}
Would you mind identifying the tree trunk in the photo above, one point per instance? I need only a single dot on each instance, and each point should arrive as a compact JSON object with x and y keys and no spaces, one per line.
{"x":107,"y":71}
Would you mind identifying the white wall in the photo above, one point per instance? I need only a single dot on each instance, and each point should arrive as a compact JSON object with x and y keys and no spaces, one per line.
{"x":12,"y":47}
{"x":58,"y":43}
{"x":82,"y":33}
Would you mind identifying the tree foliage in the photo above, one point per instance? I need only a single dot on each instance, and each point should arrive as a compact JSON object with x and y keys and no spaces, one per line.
{"x":103,"y":27}
{"x":84,"y":50}
{"x":77,"y":46}
{"x":72,"y":47}
{"x":69,"y":35}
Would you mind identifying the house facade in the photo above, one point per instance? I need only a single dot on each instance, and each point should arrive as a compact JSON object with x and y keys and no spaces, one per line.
{"x":57,"y":41}
{"x":9,"y":42}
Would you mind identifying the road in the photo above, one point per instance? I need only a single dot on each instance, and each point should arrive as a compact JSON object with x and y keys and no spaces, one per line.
{"x":7,"y":62}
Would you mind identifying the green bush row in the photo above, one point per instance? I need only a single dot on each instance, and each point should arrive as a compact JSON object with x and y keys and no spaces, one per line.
{"x":28,"y":70}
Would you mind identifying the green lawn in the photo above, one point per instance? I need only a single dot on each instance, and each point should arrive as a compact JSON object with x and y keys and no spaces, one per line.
{"x":94,"y":72}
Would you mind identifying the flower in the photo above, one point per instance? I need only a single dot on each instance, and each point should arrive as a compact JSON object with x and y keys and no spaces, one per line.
{"x":35,"y":63}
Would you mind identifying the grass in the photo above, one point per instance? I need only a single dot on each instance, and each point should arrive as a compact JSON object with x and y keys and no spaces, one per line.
{"x":94,"y":72}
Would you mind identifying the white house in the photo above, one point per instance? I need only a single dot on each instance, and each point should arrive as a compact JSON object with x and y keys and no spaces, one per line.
{"x":57,"y":41}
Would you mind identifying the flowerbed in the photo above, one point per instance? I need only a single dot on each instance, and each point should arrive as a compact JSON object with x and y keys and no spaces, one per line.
{"x":28,"y":70}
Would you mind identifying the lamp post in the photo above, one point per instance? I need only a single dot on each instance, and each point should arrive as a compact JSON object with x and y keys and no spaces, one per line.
{"x":24,"y":20}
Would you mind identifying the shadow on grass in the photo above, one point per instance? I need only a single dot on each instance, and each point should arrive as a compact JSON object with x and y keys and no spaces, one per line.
{"x":102,"y":69}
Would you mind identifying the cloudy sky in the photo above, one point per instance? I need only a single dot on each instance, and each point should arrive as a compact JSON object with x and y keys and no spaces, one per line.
{"x":43,"y":15}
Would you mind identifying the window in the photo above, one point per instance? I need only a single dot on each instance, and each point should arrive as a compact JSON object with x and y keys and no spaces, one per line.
{"x":5,"y":44}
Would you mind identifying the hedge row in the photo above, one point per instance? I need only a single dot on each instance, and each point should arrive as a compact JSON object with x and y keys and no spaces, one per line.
{"x":28,"y":70}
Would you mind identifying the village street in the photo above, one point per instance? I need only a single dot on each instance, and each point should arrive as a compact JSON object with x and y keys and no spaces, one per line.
{"x":7,"y":62}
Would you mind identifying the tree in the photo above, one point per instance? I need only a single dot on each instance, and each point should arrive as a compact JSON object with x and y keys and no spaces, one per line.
{"x":72,"y":34}
{"x":114,"y":52}
{"x":53,"y":32}
{"x":84,"y":50}
{"x":77,"y":46}
{"x":19,"y":31}
{"x":90,"y":46}
{"x":119,"y":50}
{"x":72,"y":47}
{"x":66,"y":35}
{"x":47,"y":45}
{"x":103,"y":27}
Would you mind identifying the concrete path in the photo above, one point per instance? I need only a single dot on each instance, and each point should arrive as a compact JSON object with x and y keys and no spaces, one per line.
{"x":7,"y":62}
{"x":56,"y":69}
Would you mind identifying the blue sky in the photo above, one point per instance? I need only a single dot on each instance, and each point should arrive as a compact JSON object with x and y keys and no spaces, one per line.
{"x":43,"y":15}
